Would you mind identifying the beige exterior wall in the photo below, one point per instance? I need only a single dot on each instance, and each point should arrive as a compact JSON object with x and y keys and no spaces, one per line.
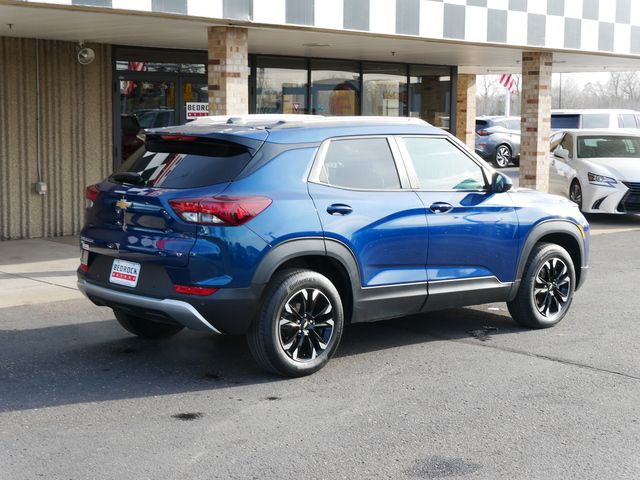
{"x":75,"y":146}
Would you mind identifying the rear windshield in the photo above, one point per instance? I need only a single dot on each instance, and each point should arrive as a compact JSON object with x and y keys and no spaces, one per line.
{"x":608,"y":147}
{"x":480,"y":124}
{"x":561,"y":122}
{"x":167,"y":165}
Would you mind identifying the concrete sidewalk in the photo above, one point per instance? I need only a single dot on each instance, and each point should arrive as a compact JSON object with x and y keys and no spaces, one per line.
{"x":38,"y":271}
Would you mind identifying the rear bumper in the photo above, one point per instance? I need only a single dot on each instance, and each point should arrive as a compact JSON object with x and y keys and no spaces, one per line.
{"x":228,"y":311}
{"x":181,"y":312}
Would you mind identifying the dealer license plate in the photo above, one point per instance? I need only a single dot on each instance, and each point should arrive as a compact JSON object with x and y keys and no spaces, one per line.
{"x":125,"y":273}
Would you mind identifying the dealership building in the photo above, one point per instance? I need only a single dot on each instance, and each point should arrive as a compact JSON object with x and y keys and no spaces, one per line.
{"x":80,"y":78}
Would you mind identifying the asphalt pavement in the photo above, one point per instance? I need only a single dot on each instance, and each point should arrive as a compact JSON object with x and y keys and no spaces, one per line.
{"x":461,"y":394}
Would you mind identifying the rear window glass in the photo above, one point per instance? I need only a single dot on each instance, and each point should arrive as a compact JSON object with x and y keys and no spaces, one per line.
{"x":627,"y":120}
{"x":360,"y":163}
{"x":595,"y":120}
{"x":480,"y":124}
{"x":561,"y":122}
{"x":196,"y":166}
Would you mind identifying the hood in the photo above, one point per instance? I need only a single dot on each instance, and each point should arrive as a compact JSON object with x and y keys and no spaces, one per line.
{"x":621,"y":168}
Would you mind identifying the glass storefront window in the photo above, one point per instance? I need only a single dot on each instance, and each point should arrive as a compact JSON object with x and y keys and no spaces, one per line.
{"x":430,"y":94}
{"x":384,"y":89}
{"x":133,"y":66}
{"x":335,"y":87}
{"x":281,"y":85}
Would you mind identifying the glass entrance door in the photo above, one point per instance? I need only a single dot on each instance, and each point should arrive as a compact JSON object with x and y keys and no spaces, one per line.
{"x":144,"y":104}
{"x":152,"y":89}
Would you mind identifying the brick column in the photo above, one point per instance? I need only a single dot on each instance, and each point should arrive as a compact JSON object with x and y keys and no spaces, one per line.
{"x":228,"y":71}
{"x":466,"y":109}
{"x":536,"y":120}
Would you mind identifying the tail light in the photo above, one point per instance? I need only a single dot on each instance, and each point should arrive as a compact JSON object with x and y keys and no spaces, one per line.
{"x":483,"y":133}
{"x":193,"y":290}
{"x":231,"y":211}
{"x":90,"y":195}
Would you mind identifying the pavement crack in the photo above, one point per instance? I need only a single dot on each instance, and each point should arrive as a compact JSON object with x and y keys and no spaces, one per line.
{"x":26,"y":277}
{"x":546,"y":357}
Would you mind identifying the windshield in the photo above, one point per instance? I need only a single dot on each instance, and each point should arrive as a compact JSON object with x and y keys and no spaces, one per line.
{"x":608,"y":147}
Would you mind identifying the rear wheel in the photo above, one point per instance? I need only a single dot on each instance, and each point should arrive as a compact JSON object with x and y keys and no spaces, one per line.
{"x":546,"y":289}
{"x":502,"y":158}
{"x":145,"y":328}
{"x":575,"y":193}
{"x":299,"y":326}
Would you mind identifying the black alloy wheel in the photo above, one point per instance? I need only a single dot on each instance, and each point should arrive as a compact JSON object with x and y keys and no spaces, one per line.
{"x":299,"y":325}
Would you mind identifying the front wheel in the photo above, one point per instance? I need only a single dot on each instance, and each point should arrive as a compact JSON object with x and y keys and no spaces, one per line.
{"x":575,"y":193}
{"x":299,"y":326}
{"x":546,"y":289}
{"x":503,"y":156}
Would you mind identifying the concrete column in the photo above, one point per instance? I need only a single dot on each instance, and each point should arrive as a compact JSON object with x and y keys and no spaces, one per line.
{"x":536,"y":120}
{"x":228,"y":71}
{"x":466,"y":109}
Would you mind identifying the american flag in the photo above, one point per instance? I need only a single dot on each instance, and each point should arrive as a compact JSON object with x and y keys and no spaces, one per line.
{"x":509,"y":82}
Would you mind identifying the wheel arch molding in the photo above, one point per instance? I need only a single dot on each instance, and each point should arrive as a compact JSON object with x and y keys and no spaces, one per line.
{"x":561,"y":232}
{"x":328,"y":257}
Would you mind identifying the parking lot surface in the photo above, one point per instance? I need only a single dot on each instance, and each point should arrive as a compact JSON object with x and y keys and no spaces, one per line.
{"x":456,"y":394}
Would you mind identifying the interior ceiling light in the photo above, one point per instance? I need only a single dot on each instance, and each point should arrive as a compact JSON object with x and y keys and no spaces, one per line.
{"x":315,"y":44}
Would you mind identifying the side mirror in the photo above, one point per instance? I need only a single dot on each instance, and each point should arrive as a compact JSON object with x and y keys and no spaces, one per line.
{"x":500,"y":183}
{"x":562,"y":153}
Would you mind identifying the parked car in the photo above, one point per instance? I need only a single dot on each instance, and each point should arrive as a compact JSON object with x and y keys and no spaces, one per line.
{"x":498,"y":140}
{"x":286,"y":230}
{"x":594,"y":118}
{"x":597,"y":169}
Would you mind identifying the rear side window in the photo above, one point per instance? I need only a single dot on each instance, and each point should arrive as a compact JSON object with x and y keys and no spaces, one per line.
{"x":195,"y":165}
{"x":627,"y":120}
{"x":595,"y":120}
{"x":561,"y":122}
{"x":440,"y":165}
{"x":360,"y":163}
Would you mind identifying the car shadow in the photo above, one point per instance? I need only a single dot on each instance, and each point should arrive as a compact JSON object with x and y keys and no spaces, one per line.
{"x":98,"y":361}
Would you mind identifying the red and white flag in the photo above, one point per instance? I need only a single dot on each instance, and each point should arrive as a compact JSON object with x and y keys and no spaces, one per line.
{"x":509,"y":82}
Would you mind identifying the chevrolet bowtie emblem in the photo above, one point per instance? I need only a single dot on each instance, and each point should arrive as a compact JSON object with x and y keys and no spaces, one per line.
{"x":122,"y":204}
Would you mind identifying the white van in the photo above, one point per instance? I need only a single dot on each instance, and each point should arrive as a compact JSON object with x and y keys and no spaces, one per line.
{"x":594,"y":118}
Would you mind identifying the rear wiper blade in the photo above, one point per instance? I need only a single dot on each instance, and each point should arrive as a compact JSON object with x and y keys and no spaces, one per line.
{"x":133,"y":178}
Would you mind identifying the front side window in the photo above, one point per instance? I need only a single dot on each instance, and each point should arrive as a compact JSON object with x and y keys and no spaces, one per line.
{"x":567,"y":144}
{"x":440,"y":165}
{"x":360,"y":163}
{"x":627,"y":120}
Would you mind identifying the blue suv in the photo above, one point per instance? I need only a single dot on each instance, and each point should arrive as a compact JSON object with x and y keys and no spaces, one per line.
{"x":287,"y":230}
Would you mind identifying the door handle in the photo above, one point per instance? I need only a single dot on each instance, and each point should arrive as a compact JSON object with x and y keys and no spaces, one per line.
{"x":440,"y":207}
{"x":339,"y":209}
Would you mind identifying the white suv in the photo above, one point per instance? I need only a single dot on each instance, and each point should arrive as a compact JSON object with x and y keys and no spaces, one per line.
{"x":594,"y":118}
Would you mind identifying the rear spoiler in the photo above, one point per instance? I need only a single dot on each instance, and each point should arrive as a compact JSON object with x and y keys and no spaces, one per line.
{"x":176,"y":142}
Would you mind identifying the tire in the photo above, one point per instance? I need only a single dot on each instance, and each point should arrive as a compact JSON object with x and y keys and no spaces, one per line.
{"x":546,"y":290}
{"x":145,"y":328}
{"x":503,"y":156}
{"x":575,"y":193}
{"x":285,"y":338}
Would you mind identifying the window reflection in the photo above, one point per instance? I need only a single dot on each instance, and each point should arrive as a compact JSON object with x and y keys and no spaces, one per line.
{"x":384,"y":89}
{"x":430,"y":94}
{"x":281,"y":85}
{"x":335,"y":87}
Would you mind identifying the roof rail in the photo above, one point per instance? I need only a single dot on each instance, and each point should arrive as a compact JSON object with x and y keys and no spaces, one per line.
{"x":273,"y":119}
